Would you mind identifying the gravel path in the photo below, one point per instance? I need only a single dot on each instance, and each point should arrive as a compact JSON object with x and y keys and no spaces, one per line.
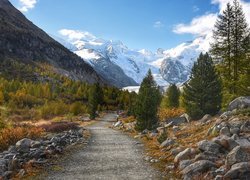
{"x":109,"y":155}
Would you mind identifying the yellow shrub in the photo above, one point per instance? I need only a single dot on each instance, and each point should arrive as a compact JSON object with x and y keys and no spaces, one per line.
{"x":165,"y":113}
{"x":9,"y":136}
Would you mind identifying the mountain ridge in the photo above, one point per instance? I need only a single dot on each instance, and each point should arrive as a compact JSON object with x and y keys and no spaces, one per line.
{"x":23,"y":41}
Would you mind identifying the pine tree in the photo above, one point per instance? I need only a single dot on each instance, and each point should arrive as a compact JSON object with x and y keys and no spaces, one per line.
{"x":147,"y":104}
{"x":202,"y":93}
{"x":173,"y":95}
{"x":230,"y":43}
{"x":95,"y":98}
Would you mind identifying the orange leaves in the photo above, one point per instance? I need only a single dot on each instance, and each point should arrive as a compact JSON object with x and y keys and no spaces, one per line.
{"x":10,"y":136}
{"x":165,"y":113}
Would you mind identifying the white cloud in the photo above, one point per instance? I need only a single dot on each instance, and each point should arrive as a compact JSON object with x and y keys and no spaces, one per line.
{"x":201,"y":25}
{"x":204,"y":24}
{"x":158,"y":24}
{"x":74,"y":35}
{"x":27,"y":5}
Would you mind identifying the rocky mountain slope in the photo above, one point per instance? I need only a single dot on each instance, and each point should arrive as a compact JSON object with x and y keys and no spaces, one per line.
{"x":22,"y":41}
{"x":129,"y":67}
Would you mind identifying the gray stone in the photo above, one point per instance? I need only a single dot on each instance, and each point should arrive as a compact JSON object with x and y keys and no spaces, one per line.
{"x":209,"y":146}
{"x":188,"y":153}
{"x":237,"y":155}
{"x":176,"y":121}
{"x":245,"y":128}
{"x":197,"y":168}
{"x":186,"y":116}
{"x":226,"y":115}
{"x":221,"y":171}
{"x":218,"y":177}
{"x":239,"y":103}
{"x":23,"y":145}
{"x":117,"y":124}
{"x":183,"y":164}
{"x":235,"y":130}
{"x":225,"y":131}
{"x":239,"y":171}
{"x":167,"y":143}
{"x":206,"y":156}
{"x":244,"y":143}
{"x":175,"y":151}
{"x":206,"y":118}
{"x":226,"y":142}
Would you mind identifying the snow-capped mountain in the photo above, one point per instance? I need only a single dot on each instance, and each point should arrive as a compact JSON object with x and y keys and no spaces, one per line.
{"x":126,"y":67}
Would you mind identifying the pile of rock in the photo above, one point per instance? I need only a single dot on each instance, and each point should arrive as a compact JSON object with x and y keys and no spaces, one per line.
{"x":36,"y":151}
{"x":225,"y":156}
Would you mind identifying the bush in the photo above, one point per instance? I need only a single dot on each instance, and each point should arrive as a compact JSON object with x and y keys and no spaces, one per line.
{"x":165,"y":113}
{"x":57,"y":127}
{"x":78,"y":108}
{"x":9,"y":136}
{"x":55,"y":108}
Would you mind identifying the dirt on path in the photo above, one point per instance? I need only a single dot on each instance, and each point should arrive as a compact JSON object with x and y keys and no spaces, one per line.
{"x":110,"y":154}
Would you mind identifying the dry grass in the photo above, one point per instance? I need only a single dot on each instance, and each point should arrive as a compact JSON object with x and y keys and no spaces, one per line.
{"x":9,"y":136}
{"x":165,"y":113}
{"x":56,"y":127}
{"x":128,"y":119}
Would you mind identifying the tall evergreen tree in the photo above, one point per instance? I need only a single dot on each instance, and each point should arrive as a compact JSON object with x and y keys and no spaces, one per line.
{"x":230,"y":43}
{"x":95,"y":98}
{"x":202,"y":93}
{"x":147,"y":103}
{"x":173,"y":95}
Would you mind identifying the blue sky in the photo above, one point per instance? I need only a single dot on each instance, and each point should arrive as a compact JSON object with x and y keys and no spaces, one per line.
{"x":148,"y":24}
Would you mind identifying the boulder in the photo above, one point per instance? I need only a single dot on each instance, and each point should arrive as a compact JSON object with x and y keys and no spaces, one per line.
{"x":209,"y":146}
{"x":188,"y":153}
{"x":23,"y":145}
{"x":183,"y":164}
{"x":239,"y":171}
{"x":244,"y":143}
{"x":176,"y":121}
{"x":225,"y":131}
{"x":167,"y":143}
{"x":206,"y":156}
{"x":186,"y":116}
{"x":226,"y":142}
{"x":235,"y":130}
{"x":117,"y":124}
{"x":245,"y":128}
{"x":206,"y":118}
{"x":3,"y":166}
{"x":237,"y":155}
{"x":197,"y":168}
{"x":226,"y":115}
{"x":239,"y":103}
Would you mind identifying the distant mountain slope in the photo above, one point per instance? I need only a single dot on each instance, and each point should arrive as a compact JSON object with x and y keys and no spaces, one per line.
{"x":114,"y":59}
{"x":21,"y":40}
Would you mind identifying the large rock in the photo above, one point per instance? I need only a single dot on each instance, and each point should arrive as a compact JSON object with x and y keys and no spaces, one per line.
{"x":239,"y":103}
{"x":244,"y":143}
{"x":188,"y":153}
{"x":245,"y":128}
{"x":206,"y":118}
{"x":183,"y":164}
{"x":209,"y":146}
{"x":239,"y":171}
{"x":237,"y":155}
{"x":186,"y":116}
{"x":197,"y":169}
{"x":177,"y":121}
{"x":23,"y":145}
{"x":167,"y":143}
{"x":226,"y":142}
{"x":225,"y":131}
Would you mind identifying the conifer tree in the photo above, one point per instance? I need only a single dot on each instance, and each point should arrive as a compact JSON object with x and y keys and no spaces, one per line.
{"x":202,"y":93}
{"x":230,"y":43}
{"x":95,"y":98}
{"x":173,"y":95}
{"x":147,"y":104}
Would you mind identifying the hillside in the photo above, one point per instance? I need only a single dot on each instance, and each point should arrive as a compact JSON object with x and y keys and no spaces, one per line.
{"x":22,"y":41}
